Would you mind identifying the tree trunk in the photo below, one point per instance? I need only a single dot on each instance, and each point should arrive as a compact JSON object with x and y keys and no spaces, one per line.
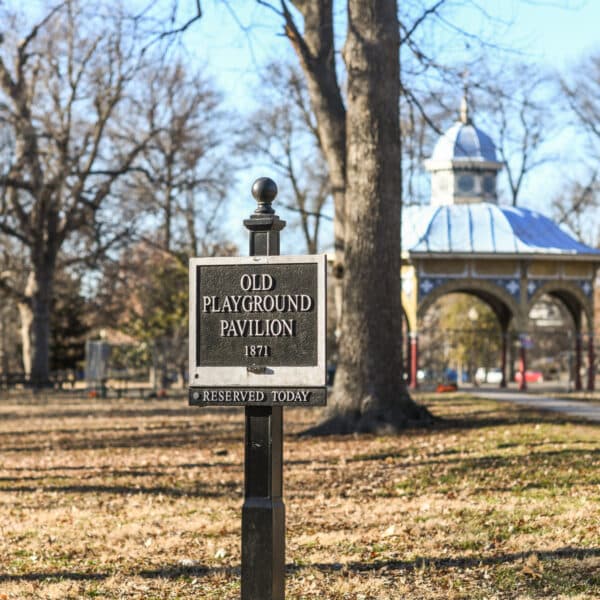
{"x":369,"y":393}
{"x":26,"y":319}
{"x":316,"y":51}
{"x":40,"y":329}
{"x":35,"y":323}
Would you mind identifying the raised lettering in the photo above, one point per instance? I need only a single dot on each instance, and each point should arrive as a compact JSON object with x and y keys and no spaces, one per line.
{"x":305,"y":303}
{"x":235,"y":300}
{"x":247,"y":303}
{"x":292,"y":303}
{"x":245,"y":282}
{"x":266,"y":282}
{"x":226,"y":304}
{"x":288,"y":327}
{"x":268,"y":303}
{"x":224,"y":327}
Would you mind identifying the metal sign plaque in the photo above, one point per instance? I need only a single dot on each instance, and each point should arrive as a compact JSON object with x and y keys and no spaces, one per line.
{"x":257,"y":322}
{"x":221,"y":396}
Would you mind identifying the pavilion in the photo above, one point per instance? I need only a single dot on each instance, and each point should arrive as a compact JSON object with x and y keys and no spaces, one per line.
{"x":508,"y":257}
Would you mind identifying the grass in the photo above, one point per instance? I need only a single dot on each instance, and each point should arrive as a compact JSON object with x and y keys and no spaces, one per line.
{"x":141,"y":499}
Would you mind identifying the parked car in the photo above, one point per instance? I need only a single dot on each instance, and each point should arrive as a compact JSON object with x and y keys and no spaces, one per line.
{"x":450,"y":375}
{"x":422,"y":375}
{"x":480,"y":375}
{"x":493,"y":376}
{"x":530,"y":377}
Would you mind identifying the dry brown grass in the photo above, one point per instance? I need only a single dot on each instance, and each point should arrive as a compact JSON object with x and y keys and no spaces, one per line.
{"x":141,"y":499}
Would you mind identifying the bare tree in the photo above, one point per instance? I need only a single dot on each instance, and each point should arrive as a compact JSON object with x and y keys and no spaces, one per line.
{"x":184,"y":169}
{"x":283,"y":132}
{"x":576,"y":206}
{"x":582,"y":91}
{"x":516,"y":103}
{"x":421,"y":124}
{"x":361,"y":144}
{"x":68,"y":97}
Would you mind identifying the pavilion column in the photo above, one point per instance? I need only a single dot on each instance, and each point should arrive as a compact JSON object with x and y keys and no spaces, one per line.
{"x":503,"y":358}
{"x":408,"y":361}
{"x":511,"y":362}
{"x":591,"y":366}
{"x":414,"y":359}
{"x":577,"y":374}
{"x":522,"y":366}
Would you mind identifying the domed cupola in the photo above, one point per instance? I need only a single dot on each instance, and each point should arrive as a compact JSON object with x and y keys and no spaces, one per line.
{"x":463,"y":165}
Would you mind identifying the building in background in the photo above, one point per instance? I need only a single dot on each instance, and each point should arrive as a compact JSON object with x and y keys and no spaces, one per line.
{"x":510,"y":258}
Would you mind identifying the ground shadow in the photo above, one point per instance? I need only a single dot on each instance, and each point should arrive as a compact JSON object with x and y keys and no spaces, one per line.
{"x":197,"y":491}
{"x":177,"y":438}
{"x":452,"y":563}
{"x":177,"y":571}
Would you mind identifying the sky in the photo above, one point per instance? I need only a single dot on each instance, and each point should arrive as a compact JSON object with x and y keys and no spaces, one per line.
{"x":235,"y":38}
{"x":233,"y":44}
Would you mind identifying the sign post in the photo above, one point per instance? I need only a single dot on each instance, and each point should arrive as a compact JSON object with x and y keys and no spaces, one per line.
{"x":257,"y":339}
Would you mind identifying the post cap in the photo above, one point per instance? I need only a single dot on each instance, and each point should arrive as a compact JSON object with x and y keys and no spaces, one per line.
{"x":264,"y":191}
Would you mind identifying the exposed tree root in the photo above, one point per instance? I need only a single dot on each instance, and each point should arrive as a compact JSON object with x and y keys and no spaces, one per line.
{"x":381,"y":422}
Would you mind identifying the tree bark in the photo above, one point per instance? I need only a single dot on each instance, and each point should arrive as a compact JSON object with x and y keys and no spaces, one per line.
{"x":34,"y":315}
{"x":369,"y":392}
{"x":26,"y":319}
{"x":41,"y":302}
{"x":316,"y":51}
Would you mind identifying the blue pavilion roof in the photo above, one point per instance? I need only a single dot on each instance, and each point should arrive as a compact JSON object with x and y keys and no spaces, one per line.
{"x":464,"y":141}
{"x":486,"y":229}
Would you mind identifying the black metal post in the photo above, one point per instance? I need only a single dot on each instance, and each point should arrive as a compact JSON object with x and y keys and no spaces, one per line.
{"x":263,"y":512}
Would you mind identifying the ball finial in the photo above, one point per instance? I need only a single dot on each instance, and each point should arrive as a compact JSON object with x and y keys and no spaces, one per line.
{"x":264,"y":191}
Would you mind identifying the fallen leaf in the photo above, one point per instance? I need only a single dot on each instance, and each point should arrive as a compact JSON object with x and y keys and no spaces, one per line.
{"x":533,"y":567}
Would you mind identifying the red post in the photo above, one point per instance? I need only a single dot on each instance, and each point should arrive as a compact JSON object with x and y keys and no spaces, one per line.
{"x":578,"y":386}
{"x":503,"y":364}
{"x":414,"y":360}
{"x":522,"y":367}
{"x":591,"y":367}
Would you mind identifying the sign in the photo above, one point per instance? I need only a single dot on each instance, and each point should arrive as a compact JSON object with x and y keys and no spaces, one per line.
{"x":257,"y":330}
{"x":526,"y":341}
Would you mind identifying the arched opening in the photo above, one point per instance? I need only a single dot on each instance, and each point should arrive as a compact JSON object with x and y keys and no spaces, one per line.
{"x":560,"y":323}
{"x":464,"y":338}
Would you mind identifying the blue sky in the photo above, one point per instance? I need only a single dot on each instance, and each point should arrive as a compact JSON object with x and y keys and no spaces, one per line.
{"x":235,"y":38}
{"x":554,"y":33}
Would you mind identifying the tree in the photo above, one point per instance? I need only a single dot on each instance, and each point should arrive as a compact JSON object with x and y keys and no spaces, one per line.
{"x":284,"y":132}
{"x":184,"y":169}
{"x":69,"y":324}
{"x":420,"y":128}
{"x":145,"y":296}
{"x":582,"y":90}
{"x":520,"y":115}
{"x":68,"y":101}
{"x":577,"y":205}
{"x":361,"y":144}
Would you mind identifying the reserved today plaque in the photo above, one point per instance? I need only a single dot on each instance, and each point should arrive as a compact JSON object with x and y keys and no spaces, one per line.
{"x":257,"y":323}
